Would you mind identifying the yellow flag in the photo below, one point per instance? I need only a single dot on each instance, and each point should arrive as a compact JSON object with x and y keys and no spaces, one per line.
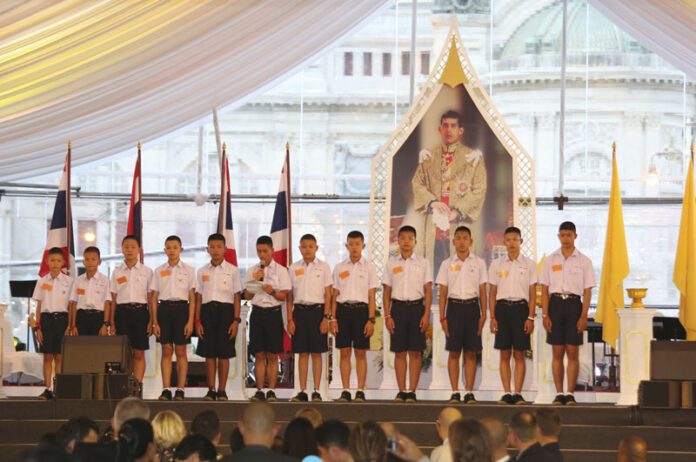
{"x":614,"y":266}
{"x":685,"y":262}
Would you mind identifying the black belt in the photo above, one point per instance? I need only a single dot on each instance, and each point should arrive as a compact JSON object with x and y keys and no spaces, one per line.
{"x":566,"y":296}
{"x":55,"y":314}
{"x":174,"y":302}
{"x":408,"y":302}
{"x":353,"y":306}
{"x":304,"y":306}
{"x":460,"y":301}
{"x":132,"y":306}
{"x":512,"y":302}
{"x":215,"y":304}
{"x":264,"y":308}
{"x":91,"y":311}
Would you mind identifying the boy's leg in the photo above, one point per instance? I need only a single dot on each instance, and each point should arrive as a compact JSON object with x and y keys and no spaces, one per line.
{"x":210,"y":371}
{"x":181,"y":366}
{"x":469,"y":370}
{"x":166,"y":364}
{"x":223,"y":367}
{"x":260,"y":369}
{"x":453,"y":369}
{"x":316,"y":370}
{"x":139,"y":364}
{"x":272,"y":370}
{"x":47,"y":369}
{"x":573,"y":368}
{"x":414,"y":365}
{"x":520,"y":370}
{"x":360,"y":367}
{"x":558,"y":368}
{"x":345,"y":367}
{"x":303,"y":365}
{"x":505,"y":371}
{"x":400,"y":369}
{"x":58,"y":359}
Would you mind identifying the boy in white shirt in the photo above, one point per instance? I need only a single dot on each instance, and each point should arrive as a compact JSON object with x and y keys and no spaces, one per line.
{"x":90,"y":298}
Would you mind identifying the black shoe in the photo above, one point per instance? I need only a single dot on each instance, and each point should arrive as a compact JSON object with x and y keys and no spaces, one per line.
{"x":166,"y":395}
{"x":179,"y":395}
{"x":400,"y":397}
{"x":47,"y":394}
{"x":359,"y":396}
{"x":345,"y":397}
{"x":270,"y":396}
{"x":470,"y":399}
{"x":570,"y":400}
{"x":455,"y":398}
{"x":518,"y":399}
{"x":559,"y":400}
{"x":505,"y":399}
{"x":411,"y":397}
{"x":258,"y":396}
{"x":221,"y":395}
{"x":211,"y":395}
{"x":301,"y":397}
{"x":316,"y":396}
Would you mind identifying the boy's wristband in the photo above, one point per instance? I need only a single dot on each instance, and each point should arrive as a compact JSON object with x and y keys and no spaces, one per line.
{"x":443,"y":320}
{"x":387,"y":316}
{"x":37,"y":325}
{"x":197,"y":321}
{"x":291,"y":320}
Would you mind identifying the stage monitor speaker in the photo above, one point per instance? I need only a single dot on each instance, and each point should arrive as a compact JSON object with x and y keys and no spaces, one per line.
{"x":688,"y":394}
{"x":74,"y":386}
{"x":659,"y":393}
{"x":94,"y":354}
{"x":672,"y":360}
{"x":116,"y":386}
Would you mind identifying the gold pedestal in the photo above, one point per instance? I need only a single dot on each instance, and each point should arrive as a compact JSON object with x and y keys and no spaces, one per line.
{"x":637,"y":295}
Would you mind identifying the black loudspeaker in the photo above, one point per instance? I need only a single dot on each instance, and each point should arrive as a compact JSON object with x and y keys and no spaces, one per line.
{"x":672,"y":360}
{"x":116,"y":386}
{"x":74,"y":386}
{"x":94,"y":354}
{"x":660,"y":393}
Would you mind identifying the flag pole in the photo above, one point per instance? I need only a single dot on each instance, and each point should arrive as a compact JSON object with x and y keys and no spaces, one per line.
{"x":223,"y":179}
{"x":69,"y":211}
{"x":287,"y":181}
{"x":140,"y":209}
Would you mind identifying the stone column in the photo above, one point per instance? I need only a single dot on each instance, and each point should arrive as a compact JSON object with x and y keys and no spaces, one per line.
{"x":634,"y":350}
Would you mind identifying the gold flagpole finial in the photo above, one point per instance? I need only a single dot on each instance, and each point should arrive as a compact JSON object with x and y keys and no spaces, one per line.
{"x":224,"y":146}
{"x":138,"y":145}
{"x":287,"y":145}
{"x":70,"y":145}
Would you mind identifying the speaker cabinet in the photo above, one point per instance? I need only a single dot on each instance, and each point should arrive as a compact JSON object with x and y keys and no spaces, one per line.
{"x":94,"y":354}
{"x":74,"y":386}
{"x":660,"y":393}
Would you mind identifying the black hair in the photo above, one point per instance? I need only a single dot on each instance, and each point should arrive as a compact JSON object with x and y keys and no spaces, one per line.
{"x":333,"y":432}
{"x":92,"y":249}
{"x":513,"y":229}
{"x":452,"y":115}
{"x":355,"y":234}
{"x":195,"y":444}
{"x":206,"y":424}
{"x":76,"y":429}
{"x":308,"y":237}
{"x":134,"y":437}
{"x":265,"y":240}
{"x":56,"y":251}
{"x":463,"y":229}
{"x":407,"y":229}
{"x":236,"y":440}
{"x":173,"y":237}
{"x":299,"y":440}
{"x":567,"y":226}
{"x":216,"y":237}
{"x":131,"y":236}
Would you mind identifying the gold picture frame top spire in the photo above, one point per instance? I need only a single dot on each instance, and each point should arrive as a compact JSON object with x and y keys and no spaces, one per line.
{"x":453,"y":73}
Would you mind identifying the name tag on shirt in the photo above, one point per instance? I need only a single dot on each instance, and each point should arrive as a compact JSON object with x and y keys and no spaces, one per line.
{"x":80,"y":291}
{"x":299,"y":272}
{"x":344,"y":274}
{"x":557,"y":268}
{"x":166,"y":273}
{"x":47,"y":287}
{"x":455,"y":268}
{"x":121,"y":280}
{"x":206,"y":278}
{"x":502,"y":274}
{"x":398,"y":270}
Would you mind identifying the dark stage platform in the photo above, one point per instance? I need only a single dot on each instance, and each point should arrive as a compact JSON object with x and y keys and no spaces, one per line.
{"x":590,"y":432}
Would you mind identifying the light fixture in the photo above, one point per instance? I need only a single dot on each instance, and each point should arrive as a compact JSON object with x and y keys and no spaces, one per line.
{"x":89,"y":236}
{"x":652,"y":178}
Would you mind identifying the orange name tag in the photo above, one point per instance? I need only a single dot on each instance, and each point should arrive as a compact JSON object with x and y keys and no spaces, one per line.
{"x":502,"y":274}
{"x":456,"y":267}
{"x":398,"y":270}
{"x":80,"y":291}
{"x":205,"y":278}
{"x":344,"y":274}
{"x":299,"y":272}
{"x":557,"y":267}
{"x":121,"y":280}
{"x":47,"y":287}
{"x":166,"y":273}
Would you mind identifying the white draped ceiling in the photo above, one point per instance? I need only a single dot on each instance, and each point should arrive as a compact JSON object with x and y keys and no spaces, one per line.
{"x":667,"y":27}
{"x":108,"y":73}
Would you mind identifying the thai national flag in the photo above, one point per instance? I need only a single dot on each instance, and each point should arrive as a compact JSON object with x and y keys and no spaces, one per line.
{"x":135,"y":215}
{"x":225,"y":216}
{"x":280,"y":228}
{"x":60,"y":234}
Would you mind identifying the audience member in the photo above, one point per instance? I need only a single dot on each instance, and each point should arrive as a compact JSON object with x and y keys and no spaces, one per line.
{"x":236,"y":440}
{"x":549,"y":424}
{"x":195,"y":448}
{"x":632,"y":449}
{"x":498,"y":436}
{"x":135,"y":441}
{"x":523,"y":436}
{"x":77,"y":430}
{"x":332,"y":441}
{"x":126,"y":409}
{"x":299,"y":440}
{"x":169,"y":430}
{"x":311,"y":414}
{"x":368,"y":442}
{"x":469,"y":441}
{"x":258,"y":429}
{"x":207,"y":425}
{"x":442,"y":424}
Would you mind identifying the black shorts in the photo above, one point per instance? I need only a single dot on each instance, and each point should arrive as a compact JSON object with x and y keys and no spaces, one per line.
{"x":172,"y":317}
{"x":216,"y":319}
{"x":407,"y":335}
{"x":462,"y":323}
{"x":511,"y":317}
{"x":89,"y":322}
{"x":53,"y":327}
{"x":564,"y":315}
{"x":265,"y":330}
{"x":132,"y":319}
{"x":308,"y":338}
{"x":351,"y":318}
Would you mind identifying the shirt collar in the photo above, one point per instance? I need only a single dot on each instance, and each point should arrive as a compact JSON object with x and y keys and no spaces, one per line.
{"x":180,"y":264}
{"x":412,"y":257}
{"x":470,"y":257}
{"x":359,"y":262}
{"x":508,"y":259}
{"x":559,"y":252}
{"x":313,"y":262}
{"x":135,"y":267}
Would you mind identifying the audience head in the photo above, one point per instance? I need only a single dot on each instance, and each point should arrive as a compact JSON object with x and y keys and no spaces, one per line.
{"x":168,"y":429}
{"x":236,"y":440}
{"x":258,"y":425}
{"x":332,"y":441}
{"x":195,"y":448}
{"x":207,"y":424}
{"x":498,"y":436}
{"x":77,"y":430}
{"x":523,"y":430}
{"x":445,"y":419}
{"x":299,"y":440}
{"x":136,"y":441}
{"x":632,"y":449}
{"x":310,"y":414}
{"x":549,"y":424}
{"x":469,"y":441}
{"x":129,"y":408}
{"x":45,"y":453}
{"x":368,"y":442}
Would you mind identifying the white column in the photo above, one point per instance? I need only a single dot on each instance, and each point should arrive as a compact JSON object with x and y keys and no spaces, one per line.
{"x":490,"y":360}
{"x":543,"y":354}
{"x":440,"y":377}
{"x":3,"y":308}
{"x":152,"y":379}
{"x":236,"y":388}
{"x":634,"y":351}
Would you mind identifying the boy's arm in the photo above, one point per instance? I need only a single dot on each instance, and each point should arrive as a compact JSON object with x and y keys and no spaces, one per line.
{"x":153,"y":297}
{"x":234,"y":327}
{"x":197,"y":316}
{"x":71,"y":317}
{"x":492,"y":292}
{"x":288,"y":308}
{"x":428,"y":292}
{"x":39,"y":334}
{"x":443,"y":308}
{"x":188,"y":329}
{"x":386,"y":304}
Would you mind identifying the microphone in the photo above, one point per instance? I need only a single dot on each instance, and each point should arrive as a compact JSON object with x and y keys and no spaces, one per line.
{"x":261,"y":267}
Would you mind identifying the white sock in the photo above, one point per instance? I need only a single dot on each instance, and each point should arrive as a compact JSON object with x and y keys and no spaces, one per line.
{"x":570,"y":393}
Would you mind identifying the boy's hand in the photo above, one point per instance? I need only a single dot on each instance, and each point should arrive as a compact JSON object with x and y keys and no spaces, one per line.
{"x":324,"y":326}
{"x":188,"y":329}
{"x":424,"y":322}
{"x":74,"y":331}
{"x":233,"y":329}
{"x":369,"y":329}
{"x":258,"y":275}
{"x":268,"y":289}
{"x":582,"y":324}
{"x":112,"y":329}
{"x":389,"y":322}
{"x":68,"y":331}
{"x":103,"y":331}
{"x":445,"y":328}
{"x":156,"y":330}
{"x":333,"y":327}
{"x":547,"y":323}
{"x":39,"y":336}
{"x":528,"y":326}
{"x":291,"y":326}
{"x":494,"y":325}
{"x":482,"y":321}
{"x":199,"y":330}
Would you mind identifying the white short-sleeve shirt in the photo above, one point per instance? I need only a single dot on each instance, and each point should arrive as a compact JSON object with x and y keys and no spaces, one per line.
{"x":173,"y":283}
{"x":91,"y":293}
{"x":53,"y":293}
{"x":274,"y":275}
{"x":131,"y":285}
{"x":407,"y":277}
{"x":218,"y":283}
{"x":567,"y":276}
{"x":463,"y":278}
{"x":309,"y":281}
{"x":512,"y":278}
{"x":354,"y":280}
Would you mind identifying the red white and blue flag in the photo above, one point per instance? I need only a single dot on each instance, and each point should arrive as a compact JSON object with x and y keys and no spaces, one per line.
{"x":225,"y":226}
{"x":135,"y":215}
{"x":280,"y":227}
{"x":60,"y":234}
